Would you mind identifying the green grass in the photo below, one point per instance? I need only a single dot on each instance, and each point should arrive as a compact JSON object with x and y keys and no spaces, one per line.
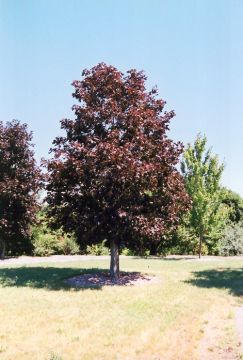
{"x":42,"y":318}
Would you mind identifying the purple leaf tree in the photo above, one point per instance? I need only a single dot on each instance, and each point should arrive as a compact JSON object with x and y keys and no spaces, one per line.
{"x":113,"y":174}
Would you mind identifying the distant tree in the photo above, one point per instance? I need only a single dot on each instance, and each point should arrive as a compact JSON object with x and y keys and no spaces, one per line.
{"x":231,"y":242}
{"x":235,"y":203}
{"x":19,"y":183}
{"x":202,"y":173}
{"x":113,"y":175}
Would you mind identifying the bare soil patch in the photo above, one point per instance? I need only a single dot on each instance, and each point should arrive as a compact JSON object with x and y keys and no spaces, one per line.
{"x":239,"y":325}
{"x":220,"y":339}
{"x":104,"y":279}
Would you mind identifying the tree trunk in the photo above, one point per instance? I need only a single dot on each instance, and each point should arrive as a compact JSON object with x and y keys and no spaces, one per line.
{"x":114,"y":265}
{"x":200,"y":244}
{"x":153,"y":249}
{"x":2,"y":249}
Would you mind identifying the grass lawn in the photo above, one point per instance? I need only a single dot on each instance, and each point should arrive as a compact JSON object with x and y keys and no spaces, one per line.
{"x":187,"y":313}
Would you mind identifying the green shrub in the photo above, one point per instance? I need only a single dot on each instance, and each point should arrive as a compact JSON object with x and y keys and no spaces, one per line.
{"x":47,"y":242}
{"x":68,"y":245}
{"x":127,"y":252}
{"x":204,"y":250}
{"x":46,"y":245}
{"x":98,"y":249}
{"x":232,"y":241}
{"x":55,"y":244}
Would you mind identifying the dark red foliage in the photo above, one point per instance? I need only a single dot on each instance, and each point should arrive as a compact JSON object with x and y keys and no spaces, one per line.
{"x":19,"y":183}
{"x":113,"y":175}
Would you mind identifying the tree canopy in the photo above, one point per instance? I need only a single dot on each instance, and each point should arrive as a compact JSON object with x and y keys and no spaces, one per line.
{"x":235,"y":203}
{"x":19,"y":184}
{"x":113,"y":174}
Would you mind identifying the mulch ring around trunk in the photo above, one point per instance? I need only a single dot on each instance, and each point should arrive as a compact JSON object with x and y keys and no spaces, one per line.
{"x":104,"y":279}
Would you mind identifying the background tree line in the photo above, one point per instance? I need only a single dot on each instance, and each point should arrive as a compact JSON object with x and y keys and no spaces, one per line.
{"x":113,"y":181}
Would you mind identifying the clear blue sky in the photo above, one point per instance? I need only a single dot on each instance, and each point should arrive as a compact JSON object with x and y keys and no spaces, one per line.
{"x":192,"y":49}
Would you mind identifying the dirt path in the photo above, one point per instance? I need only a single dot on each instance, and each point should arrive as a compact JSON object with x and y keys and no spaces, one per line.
{"x":239,"y":326}
{"x":203,"y":258}
{"x":222,"y":334}
{"x":24,"y":260}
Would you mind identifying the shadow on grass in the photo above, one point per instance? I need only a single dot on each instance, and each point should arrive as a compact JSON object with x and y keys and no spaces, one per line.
{"x":51,"y":278}
{"x":58,"y":278}
{"x":225,"y":278}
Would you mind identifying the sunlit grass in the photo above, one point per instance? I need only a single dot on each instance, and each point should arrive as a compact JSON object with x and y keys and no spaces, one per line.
{"x":42,"y":318}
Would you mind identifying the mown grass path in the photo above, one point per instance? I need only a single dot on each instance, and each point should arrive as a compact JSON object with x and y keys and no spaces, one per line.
{"x":42,"y":318}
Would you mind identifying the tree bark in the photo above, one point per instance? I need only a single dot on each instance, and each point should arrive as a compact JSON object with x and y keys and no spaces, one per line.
{"x":114,"y":265}
{"x":200,"y":244}
{"x":153,"y":249}
{"x":2,"y":249}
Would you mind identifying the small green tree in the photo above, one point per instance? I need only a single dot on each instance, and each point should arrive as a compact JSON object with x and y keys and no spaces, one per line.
{"x":202,"y":173}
